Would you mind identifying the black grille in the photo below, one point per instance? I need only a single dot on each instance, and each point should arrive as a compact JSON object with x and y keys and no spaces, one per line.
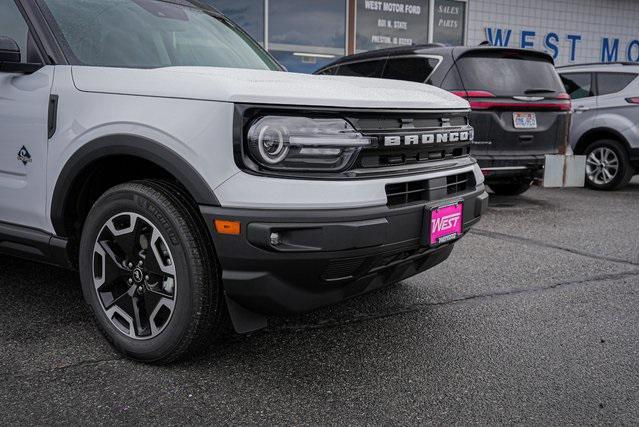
{"x":403,"y":193}
{"x":395,"y":156}
{"x":401,"y":124}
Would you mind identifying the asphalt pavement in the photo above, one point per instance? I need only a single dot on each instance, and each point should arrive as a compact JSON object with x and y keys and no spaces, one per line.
{"x":533,"y":320}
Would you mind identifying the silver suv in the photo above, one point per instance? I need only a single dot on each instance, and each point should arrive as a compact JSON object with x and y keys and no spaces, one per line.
{"x":605,"y":126}
{"x":168,"y":158}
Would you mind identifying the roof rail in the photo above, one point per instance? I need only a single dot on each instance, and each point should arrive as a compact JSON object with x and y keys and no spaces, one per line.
{"x":424,"y":45}
{"x":599,"y":63}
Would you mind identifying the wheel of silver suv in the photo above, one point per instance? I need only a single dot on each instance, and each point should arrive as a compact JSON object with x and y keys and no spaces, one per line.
{"x":607,"y":165}
{"x":134,"y":275}
{"x":149,"y":274}
{"x":602,"y":165}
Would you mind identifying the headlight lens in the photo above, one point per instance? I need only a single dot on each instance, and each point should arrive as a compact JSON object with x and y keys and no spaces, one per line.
{"x":304,"y":143}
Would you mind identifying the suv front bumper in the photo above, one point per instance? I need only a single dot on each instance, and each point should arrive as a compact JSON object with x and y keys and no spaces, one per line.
{"x":325,"y":256}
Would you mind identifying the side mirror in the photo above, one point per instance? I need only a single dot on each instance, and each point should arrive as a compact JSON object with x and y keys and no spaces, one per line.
{"x":9,"y":50}
{"x":10,"y":58}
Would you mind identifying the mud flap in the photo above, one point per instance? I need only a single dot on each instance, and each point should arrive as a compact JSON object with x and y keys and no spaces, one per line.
{"x":244,"y":320}
{"x":561,"y":171}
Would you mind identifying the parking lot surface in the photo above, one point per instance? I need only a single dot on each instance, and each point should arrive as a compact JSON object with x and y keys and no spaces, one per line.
{"x":534,"y":319}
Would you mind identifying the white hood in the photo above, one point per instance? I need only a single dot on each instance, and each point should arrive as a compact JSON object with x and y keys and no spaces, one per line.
{"x":264,"y":87}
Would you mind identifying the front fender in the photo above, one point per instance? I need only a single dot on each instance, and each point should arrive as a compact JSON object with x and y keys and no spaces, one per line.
{"x":132,"y":145}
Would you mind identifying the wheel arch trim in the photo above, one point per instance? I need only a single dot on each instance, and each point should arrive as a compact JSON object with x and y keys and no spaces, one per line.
{"x":129,"y":145}
{"x":589,"y":137}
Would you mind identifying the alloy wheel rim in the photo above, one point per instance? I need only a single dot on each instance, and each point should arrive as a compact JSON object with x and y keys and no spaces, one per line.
{"x":134,"y":276}
{"x":602,"y":165}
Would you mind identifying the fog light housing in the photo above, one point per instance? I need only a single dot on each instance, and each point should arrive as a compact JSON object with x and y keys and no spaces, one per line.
{"x":275,"y":239}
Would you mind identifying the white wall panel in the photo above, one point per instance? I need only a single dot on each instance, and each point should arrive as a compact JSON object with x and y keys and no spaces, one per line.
{"x":593,"y":20}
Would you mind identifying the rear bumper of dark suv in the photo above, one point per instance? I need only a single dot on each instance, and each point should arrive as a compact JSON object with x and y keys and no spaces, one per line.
{"x":510,"y":166}
{"x":326,"y":256}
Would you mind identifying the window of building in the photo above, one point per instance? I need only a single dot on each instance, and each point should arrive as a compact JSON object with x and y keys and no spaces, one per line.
{"x":306,"y":34}
{"x":613,"y":82}
{"x":389,"y":24}
{"x":578,"y":85}
{"x":449,"y":22}
{"x":414,"y":69}
{"x":248,"y":14}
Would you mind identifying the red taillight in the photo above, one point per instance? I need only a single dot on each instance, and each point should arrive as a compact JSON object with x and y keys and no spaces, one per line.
{"x":562,"y":102}
{"x":566,"y":105}
{"x":633,"y":100}
{"x":471,"y":95}
{"x":474,"y":93}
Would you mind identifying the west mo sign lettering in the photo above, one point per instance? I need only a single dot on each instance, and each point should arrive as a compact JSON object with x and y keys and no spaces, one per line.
{"x":610,"y":49}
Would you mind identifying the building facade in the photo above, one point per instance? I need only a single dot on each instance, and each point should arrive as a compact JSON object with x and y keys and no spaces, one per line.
{"x":307,"y":34}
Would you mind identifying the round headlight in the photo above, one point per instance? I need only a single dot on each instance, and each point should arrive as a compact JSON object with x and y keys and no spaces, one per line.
{"x":303,"y":143}
{"x":271,"y":145}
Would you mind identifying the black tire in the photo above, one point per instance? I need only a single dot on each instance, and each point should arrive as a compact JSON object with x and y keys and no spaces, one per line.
{"x":197,"y":312}
{"x":623,"y":174}
{"x":510,"y":188}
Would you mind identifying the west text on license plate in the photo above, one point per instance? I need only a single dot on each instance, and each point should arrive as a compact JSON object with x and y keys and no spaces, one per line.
{"x":525,"y":120}
{"x":445,"y":223}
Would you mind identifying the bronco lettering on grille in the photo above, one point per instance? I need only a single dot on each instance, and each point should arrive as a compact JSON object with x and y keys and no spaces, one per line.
{"x":428,"y":138}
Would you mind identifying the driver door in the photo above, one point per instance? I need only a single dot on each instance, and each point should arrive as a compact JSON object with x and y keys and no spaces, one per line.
{"x":24,"y":103}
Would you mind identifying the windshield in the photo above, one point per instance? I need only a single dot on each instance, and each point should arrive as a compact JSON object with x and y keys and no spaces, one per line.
{"x":151,"y":34}
{"x":506,"y":74}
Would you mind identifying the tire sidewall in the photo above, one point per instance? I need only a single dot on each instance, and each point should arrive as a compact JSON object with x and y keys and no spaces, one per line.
{"x":624,"y":164}
{"x":111,"y":204}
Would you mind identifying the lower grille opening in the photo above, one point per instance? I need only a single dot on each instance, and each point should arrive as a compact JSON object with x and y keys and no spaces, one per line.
{"x":404,"y":193}
{"x":350,"y":268}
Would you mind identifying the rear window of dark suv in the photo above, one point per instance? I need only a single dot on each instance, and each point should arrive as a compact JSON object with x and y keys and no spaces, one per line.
{"x":509,"y":74}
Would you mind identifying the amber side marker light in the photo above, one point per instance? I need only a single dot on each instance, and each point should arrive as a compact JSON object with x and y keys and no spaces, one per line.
{"x":227,"y":227}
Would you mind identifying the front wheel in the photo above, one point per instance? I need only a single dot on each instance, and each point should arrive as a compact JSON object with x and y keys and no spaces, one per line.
{"x":607,"y":165}
{"x":510,"y":188}
{"x":148,"y":273}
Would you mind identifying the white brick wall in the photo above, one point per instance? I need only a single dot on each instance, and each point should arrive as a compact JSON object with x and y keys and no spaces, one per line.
{"x":591,"y":19}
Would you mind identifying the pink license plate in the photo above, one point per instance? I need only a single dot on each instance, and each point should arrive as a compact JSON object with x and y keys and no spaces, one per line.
{"x":445,"y":223}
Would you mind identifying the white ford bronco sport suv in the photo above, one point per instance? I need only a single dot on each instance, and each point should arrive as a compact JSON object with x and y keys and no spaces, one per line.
{"x":157,"y":149}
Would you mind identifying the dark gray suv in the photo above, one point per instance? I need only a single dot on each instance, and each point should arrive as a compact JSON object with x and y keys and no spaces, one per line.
{"x":520,"y":110}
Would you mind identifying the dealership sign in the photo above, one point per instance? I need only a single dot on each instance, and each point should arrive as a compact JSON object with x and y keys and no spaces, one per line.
{"x":611,"y":49}
{"x":389,"y":23}
{"x":449,"y":22}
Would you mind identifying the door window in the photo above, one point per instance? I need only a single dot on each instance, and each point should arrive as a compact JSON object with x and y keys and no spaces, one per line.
{"x":578,"y":85}
{"x":613,"y":82}
{"x":362,"y":69}
{"x":13,"y":25}
{"x":414,"y":69}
